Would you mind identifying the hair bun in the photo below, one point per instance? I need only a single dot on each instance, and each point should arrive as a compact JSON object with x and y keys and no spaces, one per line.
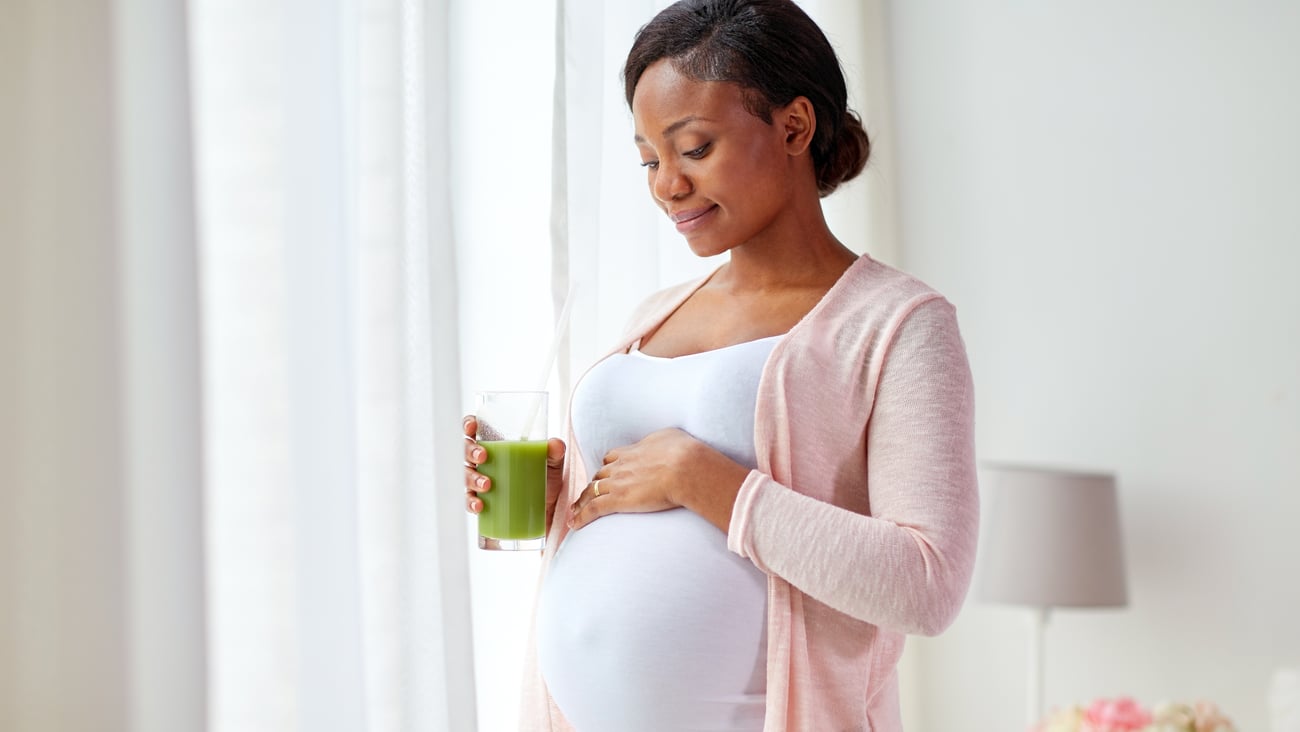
{"x":847,"y":156}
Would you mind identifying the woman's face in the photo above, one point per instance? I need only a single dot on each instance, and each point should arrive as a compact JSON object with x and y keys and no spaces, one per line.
{"x":721,"y":174}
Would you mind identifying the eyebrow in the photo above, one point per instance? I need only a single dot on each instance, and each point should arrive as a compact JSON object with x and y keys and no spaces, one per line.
{"x":674,"y":127}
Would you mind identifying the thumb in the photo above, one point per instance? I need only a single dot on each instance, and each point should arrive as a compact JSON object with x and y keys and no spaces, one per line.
{"x":555,"y":451}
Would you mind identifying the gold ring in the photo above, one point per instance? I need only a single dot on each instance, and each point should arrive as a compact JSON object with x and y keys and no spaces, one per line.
{"x":595,"y":488}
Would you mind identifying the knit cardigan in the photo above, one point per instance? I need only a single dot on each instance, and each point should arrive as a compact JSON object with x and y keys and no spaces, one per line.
{"x":863,"y":510}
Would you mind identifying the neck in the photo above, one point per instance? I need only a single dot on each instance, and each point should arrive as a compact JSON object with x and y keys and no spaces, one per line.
{"x":806,"y":256}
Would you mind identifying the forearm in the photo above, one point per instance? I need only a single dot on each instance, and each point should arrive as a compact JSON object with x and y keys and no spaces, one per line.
{"x":910,"y":579}
{"x":711,"y":491}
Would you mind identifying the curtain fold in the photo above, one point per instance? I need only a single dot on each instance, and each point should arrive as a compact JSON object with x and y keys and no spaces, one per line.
{"x":162,"y":366}
{"x":455,"y":677}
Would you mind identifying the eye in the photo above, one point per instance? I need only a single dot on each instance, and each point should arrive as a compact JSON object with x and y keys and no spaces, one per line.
{"x":698,"y":152}
{"x":650,"y":164}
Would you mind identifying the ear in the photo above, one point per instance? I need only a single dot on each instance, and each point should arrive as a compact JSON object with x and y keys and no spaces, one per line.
{"x":799,"y":121}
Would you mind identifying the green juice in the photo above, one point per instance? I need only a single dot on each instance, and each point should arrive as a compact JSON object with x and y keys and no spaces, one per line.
{"x":514,"y":507}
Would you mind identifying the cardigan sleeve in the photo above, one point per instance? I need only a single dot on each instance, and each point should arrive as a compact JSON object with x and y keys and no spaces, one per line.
{"x":906,"y":567}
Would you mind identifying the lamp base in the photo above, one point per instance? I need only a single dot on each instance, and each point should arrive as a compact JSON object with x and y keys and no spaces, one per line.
{"x":1037,"y":636}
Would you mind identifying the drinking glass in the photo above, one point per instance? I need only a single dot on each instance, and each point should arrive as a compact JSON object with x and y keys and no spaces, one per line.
{"x":512,"y":430}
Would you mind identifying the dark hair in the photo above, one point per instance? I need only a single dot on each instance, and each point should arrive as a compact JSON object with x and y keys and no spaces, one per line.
{"x":775,"y":53}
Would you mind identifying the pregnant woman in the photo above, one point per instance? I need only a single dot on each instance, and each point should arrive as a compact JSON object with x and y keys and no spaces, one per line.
{"x":769,"y":481}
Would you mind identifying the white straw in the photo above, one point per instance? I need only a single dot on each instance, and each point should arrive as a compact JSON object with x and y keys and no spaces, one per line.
{"x":561,"y":327}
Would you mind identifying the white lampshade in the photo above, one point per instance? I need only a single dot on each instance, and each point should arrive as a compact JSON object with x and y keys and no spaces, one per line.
{"x":1051,"y":539}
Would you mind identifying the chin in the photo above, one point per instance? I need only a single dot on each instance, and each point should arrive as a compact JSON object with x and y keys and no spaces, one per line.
{"x":705,"y":247}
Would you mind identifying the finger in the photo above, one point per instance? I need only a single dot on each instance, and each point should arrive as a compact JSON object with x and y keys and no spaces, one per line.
{"x":469,"y":424}
{"x":473,"y":503}
{"x":584,"y":512}
{"x":476,"y":482}
{"x":577,"y":505}
{"x":588,"y":496}
{"x":474,"y":453}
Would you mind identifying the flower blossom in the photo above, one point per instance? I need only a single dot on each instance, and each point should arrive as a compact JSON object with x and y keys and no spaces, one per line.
{"x":1125,"y":715}
{"x":1115,"y":715}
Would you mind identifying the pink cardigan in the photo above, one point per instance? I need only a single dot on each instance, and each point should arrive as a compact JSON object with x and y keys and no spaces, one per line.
{"x":863,"y":511}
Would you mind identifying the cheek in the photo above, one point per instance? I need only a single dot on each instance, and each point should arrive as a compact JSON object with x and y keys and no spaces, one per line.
{"x":759,"y":180}
{"x":762,"y":164}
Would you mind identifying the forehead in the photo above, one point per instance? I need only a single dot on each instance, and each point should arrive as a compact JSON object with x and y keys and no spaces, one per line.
{"x":665,"y":95}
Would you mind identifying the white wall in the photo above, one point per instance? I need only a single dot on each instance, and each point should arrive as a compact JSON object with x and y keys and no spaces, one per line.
{"x":1108,"y":193}
{"x":101,"y":597}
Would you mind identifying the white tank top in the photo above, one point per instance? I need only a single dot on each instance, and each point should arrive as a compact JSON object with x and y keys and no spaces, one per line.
{"x":645,"y":620}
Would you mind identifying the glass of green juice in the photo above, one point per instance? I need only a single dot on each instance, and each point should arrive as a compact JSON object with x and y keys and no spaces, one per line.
{"x":512,"y":430}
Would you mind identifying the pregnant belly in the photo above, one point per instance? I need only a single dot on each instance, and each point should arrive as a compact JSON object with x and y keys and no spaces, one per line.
{"x":646,"y":621}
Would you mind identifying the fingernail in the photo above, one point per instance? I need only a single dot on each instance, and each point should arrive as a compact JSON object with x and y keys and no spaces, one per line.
{"x":481,"y":482}
{"x":480,"y":456}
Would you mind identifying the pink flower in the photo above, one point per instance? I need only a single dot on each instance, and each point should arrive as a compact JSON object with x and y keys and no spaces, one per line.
{"x":1115,"y":715}
{"x":1126,"y":715}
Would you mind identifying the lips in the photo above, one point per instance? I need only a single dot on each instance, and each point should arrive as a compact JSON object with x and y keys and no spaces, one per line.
{"x":690,"y":218}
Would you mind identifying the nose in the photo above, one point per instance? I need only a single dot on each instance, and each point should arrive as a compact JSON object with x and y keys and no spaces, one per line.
{"x":670,"y":183}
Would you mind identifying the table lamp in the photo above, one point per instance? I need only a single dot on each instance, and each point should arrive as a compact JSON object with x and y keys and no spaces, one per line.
{"x":1051,"y":540}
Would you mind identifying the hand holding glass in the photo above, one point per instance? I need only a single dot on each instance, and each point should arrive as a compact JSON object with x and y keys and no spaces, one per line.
{"x":512,"y":431}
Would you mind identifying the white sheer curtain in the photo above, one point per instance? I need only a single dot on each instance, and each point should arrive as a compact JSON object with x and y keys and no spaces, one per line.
{"x":229,"y":389}
{"x":338,"y":590}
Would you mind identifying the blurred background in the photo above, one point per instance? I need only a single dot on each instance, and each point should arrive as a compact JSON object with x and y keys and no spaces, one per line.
{"x":255,"y":258}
